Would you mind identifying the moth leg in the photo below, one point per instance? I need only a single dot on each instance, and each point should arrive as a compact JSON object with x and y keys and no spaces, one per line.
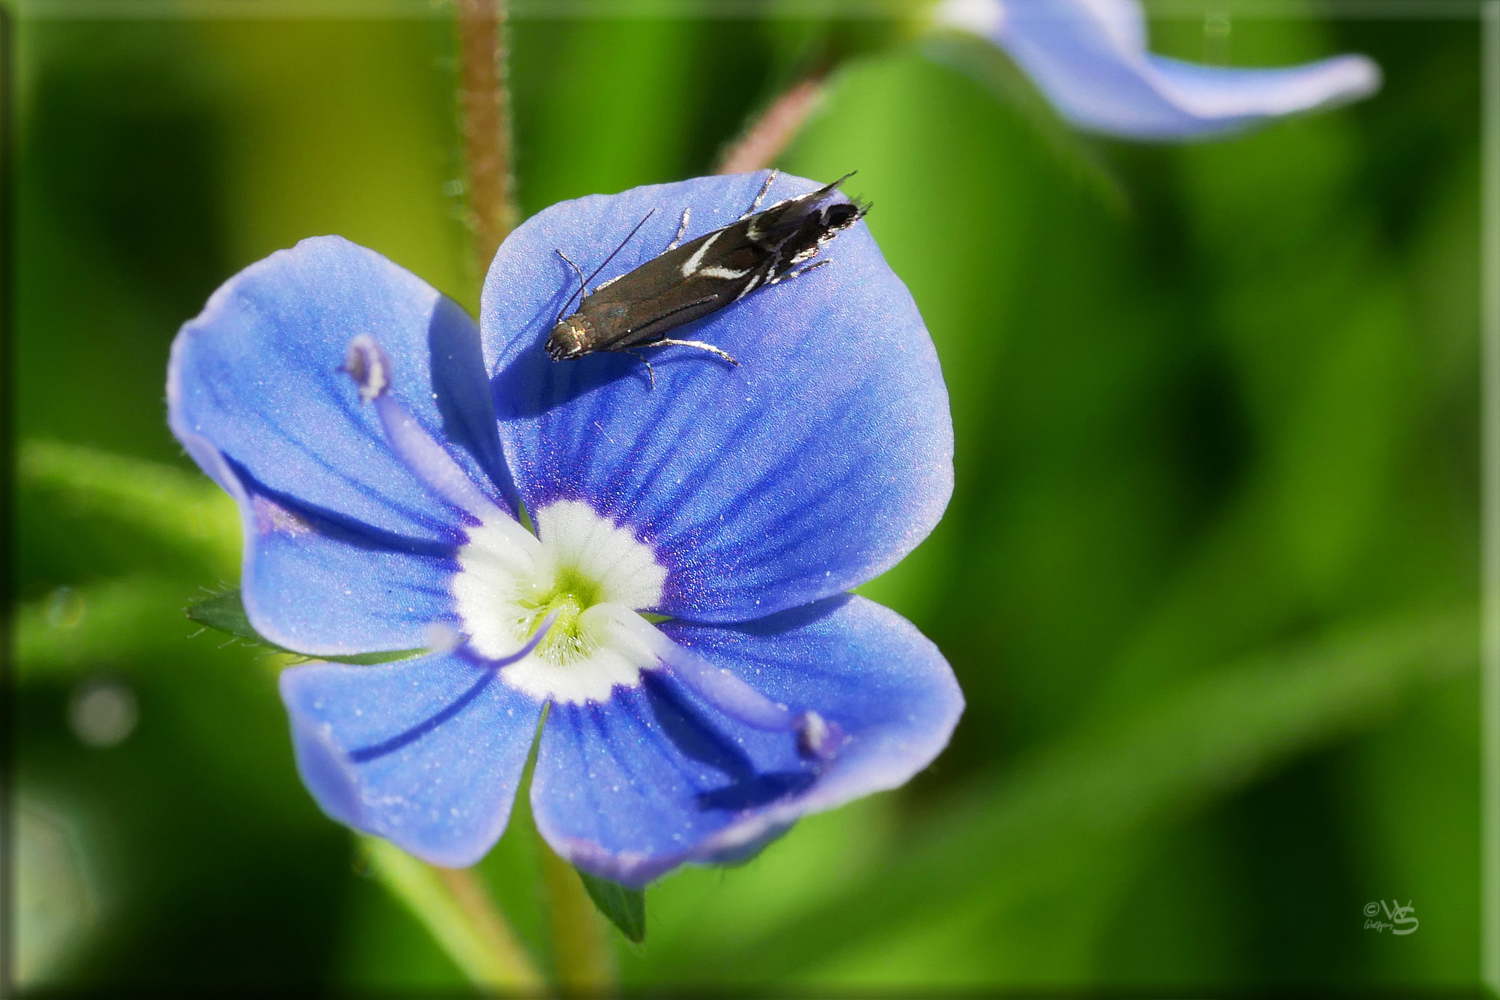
{"x":789,"y":275}
{"x":710,"y":348}
{"x":755,"y":205}
{"x":651,"y":372}
{"x":681,"y":228}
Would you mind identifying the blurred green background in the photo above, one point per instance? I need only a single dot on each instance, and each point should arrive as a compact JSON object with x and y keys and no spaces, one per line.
{"x":1208,"y":579}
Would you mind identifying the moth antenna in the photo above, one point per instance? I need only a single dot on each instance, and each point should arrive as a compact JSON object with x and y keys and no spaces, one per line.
{"x":581,"y":283}
{"x":617,"y":249}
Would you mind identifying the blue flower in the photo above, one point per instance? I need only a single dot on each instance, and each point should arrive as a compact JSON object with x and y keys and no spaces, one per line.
{"x":1089,"y":57}
{"x":378,"y":445}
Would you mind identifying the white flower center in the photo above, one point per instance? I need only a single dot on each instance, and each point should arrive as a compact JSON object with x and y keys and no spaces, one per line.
{"x":583,"y":568}
{"x":981,"y":17}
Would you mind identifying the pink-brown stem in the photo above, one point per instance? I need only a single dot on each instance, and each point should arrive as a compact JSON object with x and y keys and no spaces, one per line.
{"x":774,"y":130}
{"x":484,"y":98}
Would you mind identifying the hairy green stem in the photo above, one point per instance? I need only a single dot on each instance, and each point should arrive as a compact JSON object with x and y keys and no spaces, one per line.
{"x":585,"y":961}
{"x":458,"y":911}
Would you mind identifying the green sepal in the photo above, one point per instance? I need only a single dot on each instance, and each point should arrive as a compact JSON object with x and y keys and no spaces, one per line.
{"x":225,"y":612}
{"x":625,"y":908}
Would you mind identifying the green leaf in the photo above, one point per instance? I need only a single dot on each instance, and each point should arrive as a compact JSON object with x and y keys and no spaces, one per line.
{"x":625,"y":908}
{"x":181,"y":509}
{"x":225,"y":612}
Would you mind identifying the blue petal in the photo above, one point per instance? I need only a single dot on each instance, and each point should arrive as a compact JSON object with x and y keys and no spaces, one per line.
{"x":345,"y":550}
{"x":654,"y":777}
{"x":816,"y":464}
{"x":426,"y":752}
{"x":1089,"y":57}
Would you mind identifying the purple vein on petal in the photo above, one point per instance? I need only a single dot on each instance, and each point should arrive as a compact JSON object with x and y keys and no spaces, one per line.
{"x":364,"y":755}
{"x":816,"y":736}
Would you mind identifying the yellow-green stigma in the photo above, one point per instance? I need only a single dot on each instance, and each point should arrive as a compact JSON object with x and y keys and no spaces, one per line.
{"x":572,"y":593}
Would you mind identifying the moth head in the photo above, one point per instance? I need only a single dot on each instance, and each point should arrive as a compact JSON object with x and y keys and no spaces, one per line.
{"x":568,"y":339}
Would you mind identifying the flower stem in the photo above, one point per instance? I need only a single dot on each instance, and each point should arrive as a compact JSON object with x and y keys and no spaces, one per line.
{"x":457,"y":910}
{"x":774,"y":130}
{"x":585,"y":961}
{"x":585,"y":964}
{"x":484,"y":96}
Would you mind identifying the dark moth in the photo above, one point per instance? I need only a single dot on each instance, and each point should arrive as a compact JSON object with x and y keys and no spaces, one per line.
{"x":687,"y":282}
